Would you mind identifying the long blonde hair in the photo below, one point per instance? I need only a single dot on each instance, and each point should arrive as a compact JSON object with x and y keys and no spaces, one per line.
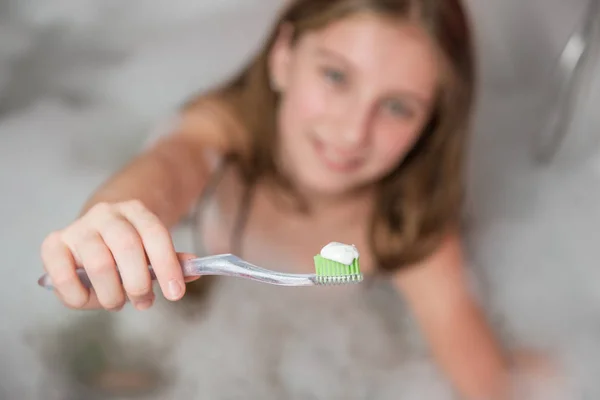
{"x":421,"y":198}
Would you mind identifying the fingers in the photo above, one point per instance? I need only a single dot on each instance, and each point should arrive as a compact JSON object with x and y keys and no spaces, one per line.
{"x":59,"y":263}
{"x":92,"y":304}
{"x":114,"y":243}
{"x":157,"y":241}
{"x":183,"y":257}
{"x":126,"y":246}
{"x":99,"y":264}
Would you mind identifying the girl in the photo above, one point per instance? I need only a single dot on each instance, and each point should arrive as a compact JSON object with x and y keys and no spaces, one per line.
{"x":350,"y":125}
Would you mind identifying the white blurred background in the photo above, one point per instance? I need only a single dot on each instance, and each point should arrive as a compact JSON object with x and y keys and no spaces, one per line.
{"x":82,"y":82}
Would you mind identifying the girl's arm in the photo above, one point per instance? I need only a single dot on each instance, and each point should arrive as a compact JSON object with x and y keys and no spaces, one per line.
{"x":169,"y":176}
{"x":126,"y":221}
{"x":459,"y":336}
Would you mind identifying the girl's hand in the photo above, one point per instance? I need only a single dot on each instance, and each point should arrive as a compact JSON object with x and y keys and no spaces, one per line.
{"x":126,"y":234}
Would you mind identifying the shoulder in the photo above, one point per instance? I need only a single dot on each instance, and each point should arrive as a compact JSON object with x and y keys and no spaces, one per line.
{"x":197,"y":138}
{"x":443,"y":269}
{"x":211,"y":120}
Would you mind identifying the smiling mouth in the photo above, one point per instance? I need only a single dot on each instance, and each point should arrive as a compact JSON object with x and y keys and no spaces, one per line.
{"x":335,"y":161}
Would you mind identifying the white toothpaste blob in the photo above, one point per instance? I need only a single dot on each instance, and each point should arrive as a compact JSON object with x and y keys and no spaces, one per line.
{"x":340,"y":252}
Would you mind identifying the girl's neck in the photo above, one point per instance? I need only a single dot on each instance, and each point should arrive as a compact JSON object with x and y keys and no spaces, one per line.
{"x":326,"y":205}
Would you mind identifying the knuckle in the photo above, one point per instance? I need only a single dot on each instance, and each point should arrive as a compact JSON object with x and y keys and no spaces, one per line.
{"x":139,"y":291}
{"x":155,"y":229}
{"x":99,"y":209}
{"x":51,"y":241}
{"x":76,"y":303}
{"x":124,"y":241}
{"x":101,"y":265}
{"x":135,"y":204}
{"x":73,"y":298}
{"x":83,"y":240}
{"x":78,"y":233}
{"x":61,"y":280}
{"x":113,"y":304}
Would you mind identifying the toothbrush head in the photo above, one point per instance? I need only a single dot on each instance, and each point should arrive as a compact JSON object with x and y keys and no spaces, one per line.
{"x":337,"y":264}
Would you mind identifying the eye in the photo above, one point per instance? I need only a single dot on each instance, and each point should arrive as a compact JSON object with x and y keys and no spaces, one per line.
{"x":334,"y":76}
{"x":398,"y":108}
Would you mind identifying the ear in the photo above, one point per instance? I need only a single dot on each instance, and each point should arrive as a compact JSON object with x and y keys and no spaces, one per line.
{"x":280,"y":58}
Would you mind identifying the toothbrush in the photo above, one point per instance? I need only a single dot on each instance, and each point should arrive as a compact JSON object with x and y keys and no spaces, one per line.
{"x":337,"y":264}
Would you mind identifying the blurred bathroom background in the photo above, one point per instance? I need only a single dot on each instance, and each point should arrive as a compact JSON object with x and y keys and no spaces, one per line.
{"x":84,"y":82}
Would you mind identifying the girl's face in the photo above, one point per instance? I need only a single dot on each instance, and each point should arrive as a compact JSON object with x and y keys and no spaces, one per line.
{"x":354,"y":98}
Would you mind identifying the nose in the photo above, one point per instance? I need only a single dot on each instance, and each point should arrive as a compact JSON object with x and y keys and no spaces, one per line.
{"x":353,"y":127}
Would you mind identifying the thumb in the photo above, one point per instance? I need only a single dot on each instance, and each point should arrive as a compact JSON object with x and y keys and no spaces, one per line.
{"x":183,"y":257}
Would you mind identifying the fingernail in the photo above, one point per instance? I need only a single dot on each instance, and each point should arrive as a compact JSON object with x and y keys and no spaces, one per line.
{"x":175,"y":289}
{"x":144,"y":304}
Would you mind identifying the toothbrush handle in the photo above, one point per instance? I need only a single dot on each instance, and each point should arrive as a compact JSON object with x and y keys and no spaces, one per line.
{"x":222,"y":264}
{"x":190,"y":268}
{"x":46,"y":282}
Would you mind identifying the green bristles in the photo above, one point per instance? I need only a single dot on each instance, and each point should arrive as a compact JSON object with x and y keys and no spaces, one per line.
{"x":325,"y":267}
